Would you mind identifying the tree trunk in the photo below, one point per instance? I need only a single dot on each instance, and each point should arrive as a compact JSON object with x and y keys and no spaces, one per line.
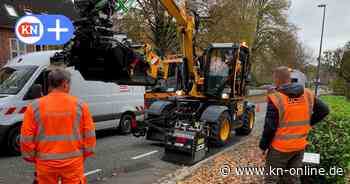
{"x":347,"y":91}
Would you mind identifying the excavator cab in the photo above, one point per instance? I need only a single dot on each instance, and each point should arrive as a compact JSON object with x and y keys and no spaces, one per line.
{"x":225,"y":70}
{"x":167,"y":83}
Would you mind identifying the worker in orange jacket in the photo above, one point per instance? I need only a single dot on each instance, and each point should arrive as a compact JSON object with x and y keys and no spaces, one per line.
{"x":291,"y":111}
{"x":58,"y":133}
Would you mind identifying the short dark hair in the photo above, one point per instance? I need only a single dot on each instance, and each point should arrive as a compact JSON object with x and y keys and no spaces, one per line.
{"x":57,"y":76}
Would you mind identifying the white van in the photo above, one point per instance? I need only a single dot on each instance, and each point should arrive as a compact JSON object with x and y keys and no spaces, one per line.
{"x":111,"y":105}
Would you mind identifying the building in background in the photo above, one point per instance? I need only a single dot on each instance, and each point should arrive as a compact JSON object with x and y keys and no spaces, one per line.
{"x":12,"y":10}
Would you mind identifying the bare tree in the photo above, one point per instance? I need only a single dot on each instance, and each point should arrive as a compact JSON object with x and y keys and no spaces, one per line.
{"x":163,"y":31}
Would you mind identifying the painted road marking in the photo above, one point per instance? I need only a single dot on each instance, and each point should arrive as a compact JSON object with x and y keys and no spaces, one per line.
{"x":144,"y":155}
{"x":93,"y":172}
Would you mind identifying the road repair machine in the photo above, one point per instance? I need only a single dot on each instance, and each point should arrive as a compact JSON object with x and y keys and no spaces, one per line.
{"x":188,"y":123}
{"x":210,"y":90}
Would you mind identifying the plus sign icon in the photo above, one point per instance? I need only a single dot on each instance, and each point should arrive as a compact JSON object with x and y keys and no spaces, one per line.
{"x":44,"y":29}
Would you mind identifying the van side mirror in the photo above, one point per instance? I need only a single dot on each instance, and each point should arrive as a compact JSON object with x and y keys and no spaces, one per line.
{"x":34,"y":92}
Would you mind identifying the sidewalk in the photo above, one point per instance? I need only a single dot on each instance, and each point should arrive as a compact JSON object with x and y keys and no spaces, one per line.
{"x":221,"y":170}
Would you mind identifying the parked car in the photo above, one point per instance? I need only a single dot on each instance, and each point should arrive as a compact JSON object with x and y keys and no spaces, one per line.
{"x":25,"y":78}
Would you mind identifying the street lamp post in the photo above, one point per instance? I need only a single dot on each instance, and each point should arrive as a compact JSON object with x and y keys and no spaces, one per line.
{"x":320,"y":52}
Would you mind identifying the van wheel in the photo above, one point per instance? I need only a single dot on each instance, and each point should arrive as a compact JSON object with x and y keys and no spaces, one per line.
{"x":13,"y":141}
{"x":125,"y":124}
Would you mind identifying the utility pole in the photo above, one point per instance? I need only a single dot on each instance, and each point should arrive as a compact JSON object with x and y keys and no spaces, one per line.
{"x":320,"y":52}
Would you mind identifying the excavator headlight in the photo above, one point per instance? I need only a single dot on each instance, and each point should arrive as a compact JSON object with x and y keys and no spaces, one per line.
{"x":224,"y":96}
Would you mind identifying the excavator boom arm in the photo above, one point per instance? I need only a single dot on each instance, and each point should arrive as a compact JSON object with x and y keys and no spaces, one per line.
{"x":186,"y":27}
{"x":176,"y":12}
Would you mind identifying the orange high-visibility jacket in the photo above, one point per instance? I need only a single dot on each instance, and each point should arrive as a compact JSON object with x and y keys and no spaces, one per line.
{"x":57,"y":127}
{"x":294,"y":121}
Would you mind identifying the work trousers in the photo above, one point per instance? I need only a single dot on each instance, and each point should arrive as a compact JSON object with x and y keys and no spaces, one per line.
{"x":278,"y":162}
{"x":69,"y":175}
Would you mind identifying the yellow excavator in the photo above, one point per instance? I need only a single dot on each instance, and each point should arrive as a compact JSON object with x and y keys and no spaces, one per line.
{"x":210,"y":90}
{"x":210,"y":97}
{"x":164,"y":70}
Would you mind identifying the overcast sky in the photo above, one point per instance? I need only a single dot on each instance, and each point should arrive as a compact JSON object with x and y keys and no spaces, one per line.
{"x":308,"y":18}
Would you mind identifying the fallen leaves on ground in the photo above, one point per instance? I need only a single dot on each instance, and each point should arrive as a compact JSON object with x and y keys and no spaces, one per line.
{"x":245,"y":155}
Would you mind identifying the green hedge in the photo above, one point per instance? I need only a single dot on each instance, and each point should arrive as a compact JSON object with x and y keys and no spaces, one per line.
{"x":331,"y":138}
{"x":339,"y":86}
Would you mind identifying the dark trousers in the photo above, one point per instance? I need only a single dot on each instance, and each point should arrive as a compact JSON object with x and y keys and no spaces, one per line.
{"x":278,"y":162}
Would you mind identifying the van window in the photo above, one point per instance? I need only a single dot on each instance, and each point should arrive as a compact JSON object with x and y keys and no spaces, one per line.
{"x":42,"y":80}
{"x":13,"y":78}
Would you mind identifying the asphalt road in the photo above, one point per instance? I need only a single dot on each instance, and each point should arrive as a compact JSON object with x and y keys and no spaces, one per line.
{"x":122,"y":158}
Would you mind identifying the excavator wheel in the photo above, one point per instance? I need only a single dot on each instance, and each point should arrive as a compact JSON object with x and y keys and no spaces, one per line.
{"x":248,"y":119}
{"x":221,"y":131}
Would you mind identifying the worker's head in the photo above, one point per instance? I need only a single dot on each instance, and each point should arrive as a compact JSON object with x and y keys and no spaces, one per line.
{"x":281,"y":75}
{"x":59,"y":80}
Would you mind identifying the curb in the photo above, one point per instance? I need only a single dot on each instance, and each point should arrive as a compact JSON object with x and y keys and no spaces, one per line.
{"x":187,"y":171}
{"x":196,"y":166}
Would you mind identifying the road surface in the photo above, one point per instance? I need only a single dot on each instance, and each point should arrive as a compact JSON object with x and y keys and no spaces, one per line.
{"x":122,"y":159}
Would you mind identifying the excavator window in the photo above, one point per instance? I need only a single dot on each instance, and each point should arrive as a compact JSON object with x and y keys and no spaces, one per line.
{"x":218,"y":66}
{"x":166,"y":85}
{"x":219,"y":62}
{"x":242,"y":72}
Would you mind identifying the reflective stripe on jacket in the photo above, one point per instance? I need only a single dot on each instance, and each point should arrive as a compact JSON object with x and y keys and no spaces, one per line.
{"x":57,"y":127}
{"x":294,"y":121}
